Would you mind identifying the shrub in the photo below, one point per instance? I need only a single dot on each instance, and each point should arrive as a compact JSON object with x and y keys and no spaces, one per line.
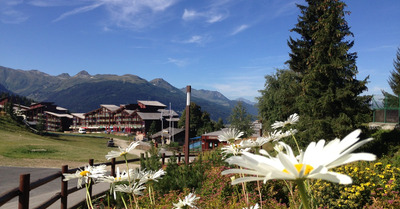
{"x":386,"y":142}
{"x":373,"y":184}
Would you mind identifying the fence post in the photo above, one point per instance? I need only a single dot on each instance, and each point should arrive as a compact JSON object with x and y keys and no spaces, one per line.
{"x":91,"y":181}
{"x":179,"y":158}
{"x":64,"y":188}
{"x":163,"y":159}
{"x":24,"y":188}
{"x":113,"y":167}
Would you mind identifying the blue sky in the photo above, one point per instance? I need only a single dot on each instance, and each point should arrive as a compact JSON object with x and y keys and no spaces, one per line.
{"x":222,"y":45}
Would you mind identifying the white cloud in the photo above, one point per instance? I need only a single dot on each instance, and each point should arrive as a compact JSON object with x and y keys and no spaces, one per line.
{"x":134,"y":14}
{"x":189,"y":15}
{"x":213,"y":18}
{"x":377,"y":90}
{"x":78,"y":10}
{"x":285,"y":9}
{"x":9,"y":15}
{"x":196,"y":39}
{"x":239,"y":29}
{"x":11,"y":2}
{"x":178,"y":62}
{"x":53,"y":3}
{"x":381,"y":48}
{"x":210,"y":16}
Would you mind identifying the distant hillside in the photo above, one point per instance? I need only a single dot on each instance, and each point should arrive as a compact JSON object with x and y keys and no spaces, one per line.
{"x":84,"y":92}
{"x":218,"y":98}
{"x":4,"y":89}
{"x":245,"y":101}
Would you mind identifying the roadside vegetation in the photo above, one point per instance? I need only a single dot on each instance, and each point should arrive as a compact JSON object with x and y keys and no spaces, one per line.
{"x":375,"y":184}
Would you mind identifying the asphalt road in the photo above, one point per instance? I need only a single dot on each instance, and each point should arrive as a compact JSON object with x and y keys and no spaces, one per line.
{"x":9,"y":179}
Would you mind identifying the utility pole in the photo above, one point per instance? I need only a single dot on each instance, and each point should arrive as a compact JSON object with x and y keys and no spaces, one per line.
{"x":187,"y":124}
{"x":162,"y":127}
{"x":169,"y":126}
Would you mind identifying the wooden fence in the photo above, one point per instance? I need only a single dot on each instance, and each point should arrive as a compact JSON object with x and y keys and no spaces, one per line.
{"x":25,"y":186}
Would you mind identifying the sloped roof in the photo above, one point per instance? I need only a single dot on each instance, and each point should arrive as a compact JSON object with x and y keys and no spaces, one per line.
{"x":79,"y":115}
{"x":150,"y":115}
{"x":152,"y":103}
{"x":59,"y":115}
{"x":111,"y":107}
{"x":129,"y":111}
{"x":166,"y":113}
{"x":61,"y":108}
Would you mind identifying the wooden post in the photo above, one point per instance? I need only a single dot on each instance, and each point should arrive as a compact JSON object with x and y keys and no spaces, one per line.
{"x":91,"y":181}
{"x":163,"y":159}
{"x":64,"y":188}
{"x":24,"y":188}
{"x":142,"y":161}
{"x":187,"y":124}
{"x":113,"y":167}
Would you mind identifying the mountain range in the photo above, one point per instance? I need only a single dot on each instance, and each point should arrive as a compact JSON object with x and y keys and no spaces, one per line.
{"x":84,"y":92}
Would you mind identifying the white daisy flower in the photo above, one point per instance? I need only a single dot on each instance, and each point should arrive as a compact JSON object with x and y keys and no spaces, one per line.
{"x":312,"y":164}
{"x":189,"y":201}
{"x":92,"y":172}
{"x":120,"y":177}
{"x":278,"y":135}
{"x":278,"y":148}
{"x":230,"y":135}
{"x":134,"y":188}
{"x":121,"y":152}
{"x":256,"y":206}
{"x":292,"y":119}
{"x":153,"y":175}
{"x":235,"y":149}
{"x":260,"y":141}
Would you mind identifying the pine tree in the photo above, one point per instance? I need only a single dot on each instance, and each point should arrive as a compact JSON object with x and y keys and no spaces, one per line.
{"x":195,"y":122}
{"x":301,"y":48}
{"x":219,"y":124}
{"x":394,"y":79}
{"x":153,"y":128}
{"x":329,"y":103}
{"x":278,"y":99}
{"x":241,"y":120}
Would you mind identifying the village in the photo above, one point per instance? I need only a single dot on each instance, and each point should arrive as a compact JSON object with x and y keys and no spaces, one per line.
{"x":130,"y":120}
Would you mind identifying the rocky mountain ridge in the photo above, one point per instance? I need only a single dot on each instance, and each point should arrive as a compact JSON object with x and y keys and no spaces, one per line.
{"x":84,"y":92}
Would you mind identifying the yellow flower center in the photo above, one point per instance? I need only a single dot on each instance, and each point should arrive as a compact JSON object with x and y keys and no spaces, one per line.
{"x":298,"y":167}
{"x":123,"y":153}
{"x":84,"y":173}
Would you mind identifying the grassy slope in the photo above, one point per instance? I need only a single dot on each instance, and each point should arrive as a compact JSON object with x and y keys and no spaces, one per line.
{"x":17,"y":144}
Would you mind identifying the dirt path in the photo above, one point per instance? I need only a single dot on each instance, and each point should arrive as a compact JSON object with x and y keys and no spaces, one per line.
{"x":141,"y":148}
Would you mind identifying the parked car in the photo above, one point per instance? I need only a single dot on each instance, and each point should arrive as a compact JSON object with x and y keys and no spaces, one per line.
{"x":82,"y":131}
{"x":110,"y":143}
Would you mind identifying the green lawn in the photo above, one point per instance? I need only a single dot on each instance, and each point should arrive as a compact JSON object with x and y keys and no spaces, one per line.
{"x":16,"y":142}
